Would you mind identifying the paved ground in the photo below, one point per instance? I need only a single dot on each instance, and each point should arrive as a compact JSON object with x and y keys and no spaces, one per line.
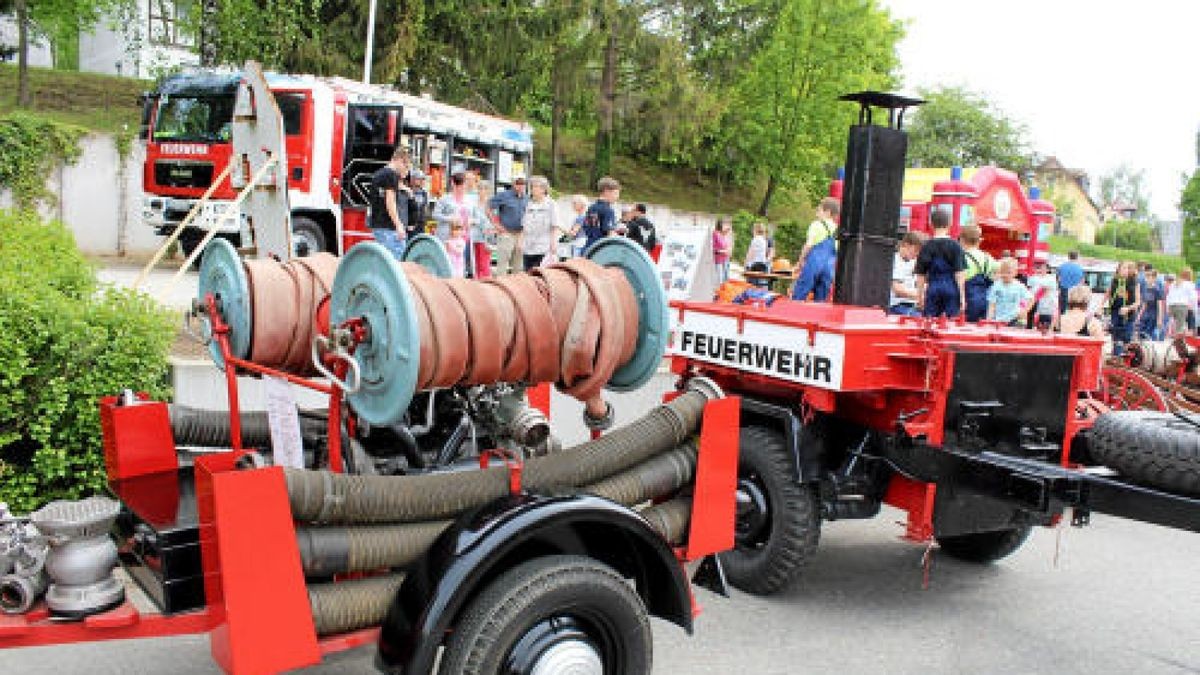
{"x":1124,"y":598}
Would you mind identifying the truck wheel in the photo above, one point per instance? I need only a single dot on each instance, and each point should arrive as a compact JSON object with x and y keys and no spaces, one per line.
{"x":778,"y":521}
{"x":1156,"y":448}
{"x":985,"y":547}
{"x":554,"y":614}
{"x":307,"y":236}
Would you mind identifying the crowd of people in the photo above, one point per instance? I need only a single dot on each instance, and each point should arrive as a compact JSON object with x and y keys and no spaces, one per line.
{"x":488,"y":233}
{"x":942,"y":276}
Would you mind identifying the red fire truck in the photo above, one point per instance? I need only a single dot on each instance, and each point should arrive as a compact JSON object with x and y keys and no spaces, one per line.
{"x":1012,"y":219}
{"x":338,"y":132}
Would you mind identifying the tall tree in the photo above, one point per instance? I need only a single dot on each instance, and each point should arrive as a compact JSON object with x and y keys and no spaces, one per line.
{"x":1125,"y":186}
{"x":790,"y":118}
{"x":959,"y":127}
{"x":1189,"y":210}
{"x":272,"y":32}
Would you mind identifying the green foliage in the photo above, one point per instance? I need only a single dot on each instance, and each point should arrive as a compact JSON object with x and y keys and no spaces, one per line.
{"x":276,"y":33}
{"x":64,"y":343}
{"x":1125,"y":185}
{"x":787,"y":234}
{"x":30,"y":147}
{"x":786,"y":109}
{"x":103,"y":103}
{"x":1129,"y":234}
{"x":959,"y":127}
{"x":1189,"y":208}
{"x":1063,"y":244}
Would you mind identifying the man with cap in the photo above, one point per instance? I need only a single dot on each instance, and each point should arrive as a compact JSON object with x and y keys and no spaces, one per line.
{"x":418,"y":203}
{"x":509,"y":207}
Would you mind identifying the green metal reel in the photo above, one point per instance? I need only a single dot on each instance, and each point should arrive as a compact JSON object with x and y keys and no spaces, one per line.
{"x":371,"y":285}
{"x":653,"y":323}
{"x":224,"y":276}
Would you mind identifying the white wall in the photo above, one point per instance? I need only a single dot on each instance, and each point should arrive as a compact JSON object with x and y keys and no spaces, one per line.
{"x":100,"y":199}
{"x":39,"y":50}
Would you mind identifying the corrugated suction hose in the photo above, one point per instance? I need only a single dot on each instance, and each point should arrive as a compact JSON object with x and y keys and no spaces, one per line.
{"x":325,"y":497}
{"x":325,"y":551}
{"x":351,"y":605}
{"x":210,"y":428}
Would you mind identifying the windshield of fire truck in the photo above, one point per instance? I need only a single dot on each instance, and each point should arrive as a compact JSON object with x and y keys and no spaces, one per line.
{"x":194,"y":118}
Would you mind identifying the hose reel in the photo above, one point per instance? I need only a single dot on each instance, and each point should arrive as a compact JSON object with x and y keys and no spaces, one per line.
{"x":611,"y":304}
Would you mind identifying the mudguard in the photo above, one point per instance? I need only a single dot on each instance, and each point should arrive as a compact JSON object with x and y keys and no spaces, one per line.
{"x":484,"y":544}
{"x":802,"y":446}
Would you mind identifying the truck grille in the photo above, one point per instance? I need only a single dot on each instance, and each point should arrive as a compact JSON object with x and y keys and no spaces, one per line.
{"x":183,"y":174}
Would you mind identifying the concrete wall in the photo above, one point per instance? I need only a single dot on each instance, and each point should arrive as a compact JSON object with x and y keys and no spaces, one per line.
{"x":100,"y":199}
{"x":40,"y":55}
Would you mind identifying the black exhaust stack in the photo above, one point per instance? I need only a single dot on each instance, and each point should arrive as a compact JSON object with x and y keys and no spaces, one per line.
{"x":871,"y":201}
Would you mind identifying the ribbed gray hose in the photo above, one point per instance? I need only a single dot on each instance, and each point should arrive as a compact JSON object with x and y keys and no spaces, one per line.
{"x":210,"y":428}
{"x":351,"y":605}
{"x":361,"y":603}
{"x":325,"y":551}
{"x":325,"y":497}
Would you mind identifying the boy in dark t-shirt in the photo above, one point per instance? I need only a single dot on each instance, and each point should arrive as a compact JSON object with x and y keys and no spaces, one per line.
{"x":940,"y":271}
{"x":600,"y":220}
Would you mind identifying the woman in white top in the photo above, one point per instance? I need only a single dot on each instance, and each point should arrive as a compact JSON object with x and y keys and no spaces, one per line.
{"x":1181,"y":299}
{"x":539,"y":227}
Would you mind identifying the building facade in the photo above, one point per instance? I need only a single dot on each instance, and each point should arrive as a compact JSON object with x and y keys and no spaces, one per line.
{"x":1078,"y":216}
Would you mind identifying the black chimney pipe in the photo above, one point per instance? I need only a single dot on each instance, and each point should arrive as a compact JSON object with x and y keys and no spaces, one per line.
{"x":871,"y":201}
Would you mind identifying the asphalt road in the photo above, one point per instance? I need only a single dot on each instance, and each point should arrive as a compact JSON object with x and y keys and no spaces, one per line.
{"x":1123,"y":598}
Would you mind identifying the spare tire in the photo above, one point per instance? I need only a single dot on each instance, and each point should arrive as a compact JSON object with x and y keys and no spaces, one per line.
{"x":1158,"y":449}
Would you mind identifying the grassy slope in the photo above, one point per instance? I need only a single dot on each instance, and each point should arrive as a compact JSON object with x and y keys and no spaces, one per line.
{"x":681,"y":189}
{"x":103,"y":103}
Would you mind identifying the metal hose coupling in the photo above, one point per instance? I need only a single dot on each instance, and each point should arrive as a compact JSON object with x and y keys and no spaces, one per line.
{"x":82,"y":556}
{"x":602,"y":423}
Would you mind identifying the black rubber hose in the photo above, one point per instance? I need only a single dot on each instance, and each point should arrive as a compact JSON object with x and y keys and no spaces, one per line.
{"x":351,"y":605}
{"x":329,"y":550}
{"x":210,"y":428}
{"x":325,"y":497}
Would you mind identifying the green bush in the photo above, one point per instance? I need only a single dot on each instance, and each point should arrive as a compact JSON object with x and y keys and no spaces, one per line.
{"x":788,"y":235}
{"x":65,"y":341}
{"x":1129,"y":234}
{"x":30,"y":147}
{"x":1164,"y":263}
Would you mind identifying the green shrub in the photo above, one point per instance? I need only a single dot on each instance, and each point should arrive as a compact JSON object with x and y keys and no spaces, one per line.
{"x":30,"y":147}
{"x":65,"y":341}
{"x":1164,"y":263}
{"x":788,"y":235}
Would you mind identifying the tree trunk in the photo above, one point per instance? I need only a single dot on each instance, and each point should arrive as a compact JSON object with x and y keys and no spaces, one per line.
{"x":605,"y":106}
{"x":765,"y":206}
{"x":208,"y":34}
{"x":556,"y":115}
{"x":22,"y":12}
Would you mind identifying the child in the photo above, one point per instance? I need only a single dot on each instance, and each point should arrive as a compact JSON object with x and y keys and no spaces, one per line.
{"x":1077,"y":320}
{"x":456,"y":249}
{"x":756,"y":255}
{"x":980,"y":268}
{"x":819,"y":254}
{"x":940,"y":271}
{"x":904,"y":283}
{"x":722,"y":241}
{"x":1044,"y":287}
{"x":1007,"y":298}
{"x":600,"y":220}
{"x":1151,"y":314}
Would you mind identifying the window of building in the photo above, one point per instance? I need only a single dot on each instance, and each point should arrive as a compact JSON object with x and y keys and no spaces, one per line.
{"x":168,"y":21}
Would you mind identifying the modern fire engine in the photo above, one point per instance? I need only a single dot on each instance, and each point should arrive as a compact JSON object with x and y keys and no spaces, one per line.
{"x":977,"y":431}
{"x":1012,"y":218}
{"x":338,"y":132}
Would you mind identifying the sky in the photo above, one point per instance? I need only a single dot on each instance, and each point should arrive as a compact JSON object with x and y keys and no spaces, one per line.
{"x":1098,"y":83}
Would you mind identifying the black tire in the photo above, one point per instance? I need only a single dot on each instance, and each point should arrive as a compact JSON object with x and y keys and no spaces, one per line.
{"x":307,"y":236}
{"x":779,"y":521}
{"x":188,"y":242}
{"x":1158,"y":449}
{"x":553,"y":607}
{"x":985,"y":547}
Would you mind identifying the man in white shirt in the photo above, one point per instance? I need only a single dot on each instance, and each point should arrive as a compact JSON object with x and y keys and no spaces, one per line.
{"x":904,"y":280}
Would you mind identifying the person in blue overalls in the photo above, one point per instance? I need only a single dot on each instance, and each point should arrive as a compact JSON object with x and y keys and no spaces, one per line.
{"x":819,"y":255}
{"x":941,"y":271}
{"x":980,"y":270}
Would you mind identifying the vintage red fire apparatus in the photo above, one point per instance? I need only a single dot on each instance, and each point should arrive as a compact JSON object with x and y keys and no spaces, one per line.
{"x":1011,"y":217}
{"x":338,"y":132}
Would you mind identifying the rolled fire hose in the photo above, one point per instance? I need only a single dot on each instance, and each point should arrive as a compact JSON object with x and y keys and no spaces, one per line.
{"x":325,"y":551}
{"x":325,"y":497}
{"x":361,"y":603}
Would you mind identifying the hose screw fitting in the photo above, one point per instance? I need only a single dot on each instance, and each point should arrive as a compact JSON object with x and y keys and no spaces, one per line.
{"x":603,"y":423}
